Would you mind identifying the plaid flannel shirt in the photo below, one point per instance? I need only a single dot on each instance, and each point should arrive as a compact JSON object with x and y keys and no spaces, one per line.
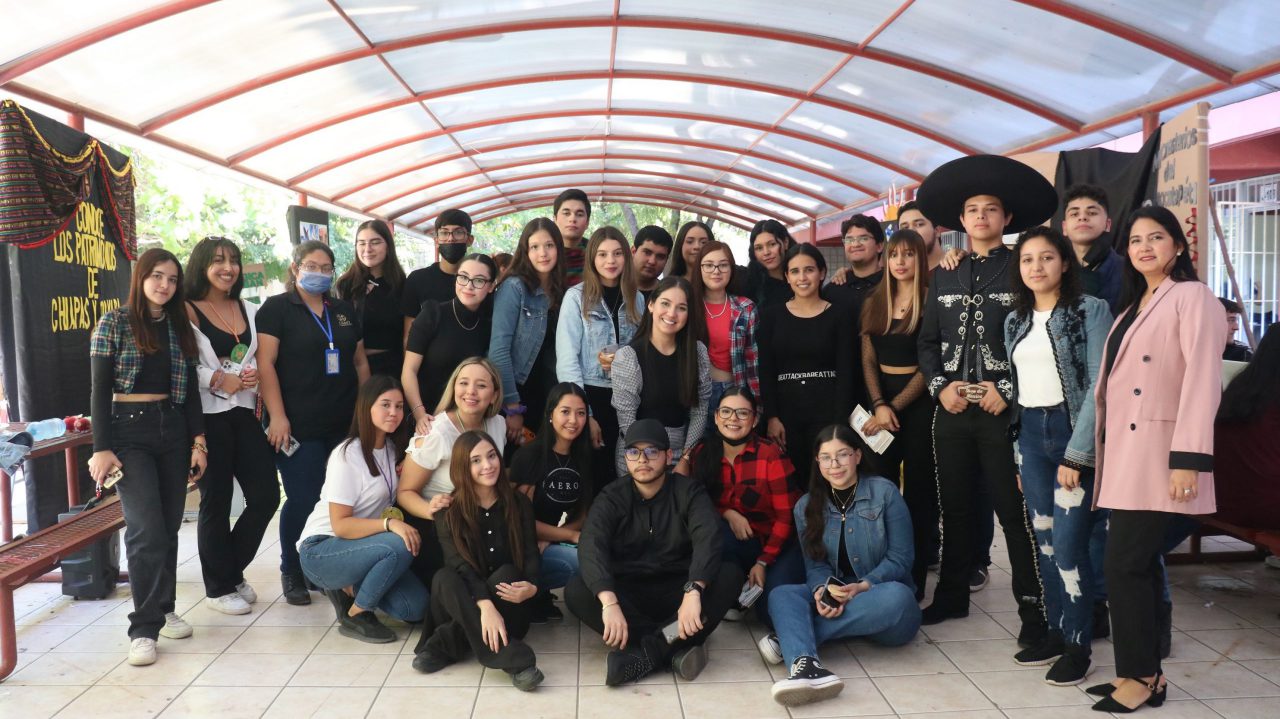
{"x":756,"y":486}
{"x":742,"y":344}
{"x":113,"y":338}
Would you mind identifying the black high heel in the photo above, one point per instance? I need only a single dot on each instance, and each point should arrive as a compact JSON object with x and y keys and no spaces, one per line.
{"x":1101,"y":690}
{"x":1109,"y":704}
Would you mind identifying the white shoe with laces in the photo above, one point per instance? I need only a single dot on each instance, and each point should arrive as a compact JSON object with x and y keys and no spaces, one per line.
{"x":142,"y":651}
{"x":770,"y":648}
{"x":231,"y":603}
{"x":175,"y":627}
{"x":246,"y":593}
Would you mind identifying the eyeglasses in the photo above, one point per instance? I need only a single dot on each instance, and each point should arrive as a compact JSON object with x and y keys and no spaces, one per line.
{"x":313,"y":267}
{"x":475,"y":282}
{"x":858,"y":239}
{"x":650,"y":453}
{"x":371,"y":243}
{"x":727,"y":412}
{"x":456,"y":235}
{"x":716,"y":267}
{"x":841,"y":458}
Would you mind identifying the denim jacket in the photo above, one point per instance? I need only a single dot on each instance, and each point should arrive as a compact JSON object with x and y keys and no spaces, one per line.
{"x":1078,"y":335}
{"x":877,"y":536}
{"x":579,"y":339}
{"x":519,"y":326}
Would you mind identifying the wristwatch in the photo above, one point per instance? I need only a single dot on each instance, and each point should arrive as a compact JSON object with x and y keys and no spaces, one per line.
{"x":693,"y":587}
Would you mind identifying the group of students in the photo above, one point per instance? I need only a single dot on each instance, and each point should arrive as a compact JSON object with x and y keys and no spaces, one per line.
{"x":665,"y":439}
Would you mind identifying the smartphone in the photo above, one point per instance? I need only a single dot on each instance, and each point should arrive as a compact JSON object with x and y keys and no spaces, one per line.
{"x":289,"y":447}
{"x":671,"y":632}
{"x":750,"y":593}
{"x":826,"y":597}
{"x":114,"y":476}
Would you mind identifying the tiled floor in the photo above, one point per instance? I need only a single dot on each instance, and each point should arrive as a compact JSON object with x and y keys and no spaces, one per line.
{"x":284,"y":661}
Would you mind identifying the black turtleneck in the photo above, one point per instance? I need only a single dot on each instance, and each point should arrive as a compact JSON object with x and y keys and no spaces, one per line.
{"x":612,"y":297}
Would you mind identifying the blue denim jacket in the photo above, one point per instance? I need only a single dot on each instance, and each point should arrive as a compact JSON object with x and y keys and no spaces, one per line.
{"x":579,"y":339}
{"x":877,"y":536}
{"x":1078,"y":335}
{"x":519,"y":326}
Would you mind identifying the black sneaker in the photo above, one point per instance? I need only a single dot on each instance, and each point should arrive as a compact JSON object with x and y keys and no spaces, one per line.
{"x":366,"y":628}
{"x":633,"y":664}
{"x":689,"y":662}
{"x":1071,"y":668}
{"x":978,"y":580}
{"x":1101,"y":620}
{"x":340,"y":600}
{"x":1034,"y":632}
{"x":1046,"y":652}
{"x":808,"y":682}
{"x":937,"y":614}
{"x":294,"y":587}
{"x":526,"y":680}
{"x":543,"y":609}
{"x":429,"y":662}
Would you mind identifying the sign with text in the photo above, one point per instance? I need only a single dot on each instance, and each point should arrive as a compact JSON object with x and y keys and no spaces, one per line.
{"x":1182,"y":178}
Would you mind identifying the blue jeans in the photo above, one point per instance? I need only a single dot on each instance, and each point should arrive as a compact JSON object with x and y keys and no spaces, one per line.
{"x":559,"y":564}
{"x":788,"y":568}
{"x":1062,"y":523}
{"x":302,"y":476}
{"x":887,"y":614}
{"x":376,"y":565}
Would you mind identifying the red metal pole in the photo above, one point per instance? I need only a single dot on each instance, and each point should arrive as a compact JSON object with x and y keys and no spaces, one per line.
{"x":6,"y":508}
{"x":75,"y":121}
{"x":302,"y":199}
{"x":73,"y":477}
{"x":1150,"y":123}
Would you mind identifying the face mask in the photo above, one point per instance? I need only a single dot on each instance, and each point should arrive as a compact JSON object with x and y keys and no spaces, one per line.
{"x":317,"y":283}
{"x":453,"y":252}
{"x":733,"y":442}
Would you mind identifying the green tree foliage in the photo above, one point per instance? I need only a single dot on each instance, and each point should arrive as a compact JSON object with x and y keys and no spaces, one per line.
{"x":501,"y":233}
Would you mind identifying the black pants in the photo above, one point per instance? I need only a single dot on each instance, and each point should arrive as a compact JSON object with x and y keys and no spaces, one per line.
{"x":430,"y":556}
{"x":237,"y":449}
{"x":975,"y":446}
{"x":910,"y":456}
{"x":388,"y":363}
{"x":651,"y":603}
{"x":456,"y":619}
{"x":603,"y":469}
{"x":1135,"y":587}
{"x":150,"y":439}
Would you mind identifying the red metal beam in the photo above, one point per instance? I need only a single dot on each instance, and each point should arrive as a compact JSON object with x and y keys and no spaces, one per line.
{"x":519,"y":207}
{"x":636,"y":198}
{"x":666,"y":23}
{"x":588,"y":157}
{"x":18,"y":67}
{"x":1172,"y":50}
{"x":931,"y":135}
{"x":436,"y":199}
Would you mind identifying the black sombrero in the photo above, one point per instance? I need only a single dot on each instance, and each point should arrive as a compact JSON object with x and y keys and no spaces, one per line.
{"x":1025,"y":192}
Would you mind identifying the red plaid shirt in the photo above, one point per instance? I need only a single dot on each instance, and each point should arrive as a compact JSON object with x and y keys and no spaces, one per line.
{"x":755,"y":486}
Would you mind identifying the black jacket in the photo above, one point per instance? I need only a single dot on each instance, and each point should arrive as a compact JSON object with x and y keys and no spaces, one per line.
{"x":629,"y":538}
{"x":962,"y":332}
{"x":494,"y":539}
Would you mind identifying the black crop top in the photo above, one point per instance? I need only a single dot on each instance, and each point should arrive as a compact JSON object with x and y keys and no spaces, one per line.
{"x":223,"y":342}
{"x":153,"y":374}
{"x":891,"y":350}
{"x":897,"y":349}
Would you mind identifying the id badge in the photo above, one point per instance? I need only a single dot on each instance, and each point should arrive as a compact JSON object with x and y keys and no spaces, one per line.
{"x":331,"y":362}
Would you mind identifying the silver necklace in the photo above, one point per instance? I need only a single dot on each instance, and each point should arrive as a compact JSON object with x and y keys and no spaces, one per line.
{"x":723,"y":309}
{"x":454,"y":305}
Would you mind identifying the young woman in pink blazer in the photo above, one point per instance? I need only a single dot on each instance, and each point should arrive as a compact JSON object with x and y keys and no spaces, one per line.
{"x":1157,"y":395}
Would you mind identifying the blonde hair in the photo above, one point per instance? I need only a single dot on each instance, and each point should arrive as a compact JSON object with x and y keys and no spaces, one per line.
{"x":592,"y":286}
{"x":448,"y":401}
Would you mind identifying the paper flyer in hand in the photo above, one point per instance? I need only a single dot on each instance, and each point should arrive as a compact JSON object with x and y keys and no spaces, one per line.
{"x":880,"y":441}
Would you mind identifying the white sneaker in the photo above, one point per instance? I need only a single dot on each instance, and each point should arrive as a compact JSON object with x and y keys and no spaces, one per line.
{"x":770,"y":649}
{"x":174,"y":628}
{"x":733,"y":615}
{"x":246,"y":593}
{"x":231,"y":603}
{"x":142,"y":651}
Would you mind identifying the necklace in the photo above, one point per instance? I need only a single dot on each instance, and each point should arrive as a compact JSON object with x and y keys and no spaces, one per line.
{"x":454,"y":304}
{"x":843,"y":504}
{"x":457,"y":418}
{"x":231,"y":327}
{"x":706,"y":306}
{"x":567,"y":460}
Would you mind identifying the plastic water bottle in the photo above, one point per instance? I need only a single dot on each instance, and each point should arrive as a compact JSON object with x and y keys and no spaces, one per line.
{"x":47,"y":429}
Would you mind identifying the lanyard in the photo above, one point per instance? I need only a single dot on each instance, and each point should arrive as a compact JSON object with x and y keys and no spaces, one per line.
{"x":387,"y":473}
{"x":327,"y":327}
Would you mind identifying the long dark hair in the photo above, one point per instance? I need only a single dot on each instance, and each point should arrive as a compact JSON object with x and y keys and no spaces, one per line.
{"x":145,"y":332}
{"x":877,"y":311}
{"x":1257,"y":385}
{"x":1183,"y":269}
{"x":710,"y":452}
{"x":815,"y":513}
{"x":522,"y":268}
{"x":354,"y":283}
{"x":196,"y":278}
{"x":1024,"y":300}
{"x":686,"y":339}
{"x":757,"y":275}
{"x":544,"y":443}
{"x":678,"y":265}
{"x":362,"y":421}
{"x":695,"y":277}
{"x":464,"y":511}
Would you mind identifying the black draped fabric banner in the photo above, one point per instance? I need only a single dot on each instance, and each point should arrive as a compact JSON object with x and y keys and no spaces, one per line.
{"x":66,"y":239}
{"x":1129,"y":179}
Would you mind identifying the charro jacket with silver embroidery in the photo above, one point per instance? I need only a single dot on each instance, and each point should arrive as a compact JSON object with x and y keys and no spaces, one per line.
{"x":962,"y":331}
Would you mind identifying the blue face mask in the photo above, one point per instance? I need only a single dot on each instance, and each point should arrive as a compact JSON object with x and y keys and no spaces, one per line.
{"x":317,"y":283}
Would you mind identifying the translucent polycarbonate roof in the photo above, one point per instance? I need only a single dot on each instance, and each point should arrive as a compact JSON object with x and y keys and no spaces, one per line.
{"x":735,"y":109}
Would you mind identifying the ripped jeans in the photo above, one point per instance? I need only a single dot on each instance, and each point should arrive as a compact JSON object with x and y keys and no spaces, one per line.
{"x":1061,"y":522}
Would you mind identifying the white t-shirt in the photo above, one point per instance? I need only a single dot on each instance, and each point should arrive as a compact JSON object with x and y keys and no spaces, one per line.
{"x":432,"y":451}
{"x":1038,"y":382}
{"x":347,"y":481}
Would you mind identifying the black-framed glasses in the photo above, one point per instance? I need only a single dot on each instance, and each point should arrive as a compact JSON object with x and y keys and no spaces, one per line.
{"x":729,"y":412}
{"x":716,"y":267}
{"x":475,"y":282}
{"x":650,"y":453}
{"x":313,"y":267}
{"x":840,"y":458}
{"x":455,"y":235}
{"x":858,"y":239}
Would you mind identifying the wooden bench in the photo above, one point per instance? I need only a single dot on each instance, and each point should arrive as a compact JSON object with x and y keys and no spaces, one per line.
{"x":32,"y":556}
{"x":66,"y":444}
{"x":1263,"y":541}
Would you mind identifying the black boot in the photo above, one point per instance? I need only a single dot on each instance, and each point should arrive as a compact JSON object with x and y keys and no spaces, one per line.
{"x":1035,"y":630}
{"x":1164,"y":622}
{"x":294,"y":588}
{"x":1101,"y":620}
